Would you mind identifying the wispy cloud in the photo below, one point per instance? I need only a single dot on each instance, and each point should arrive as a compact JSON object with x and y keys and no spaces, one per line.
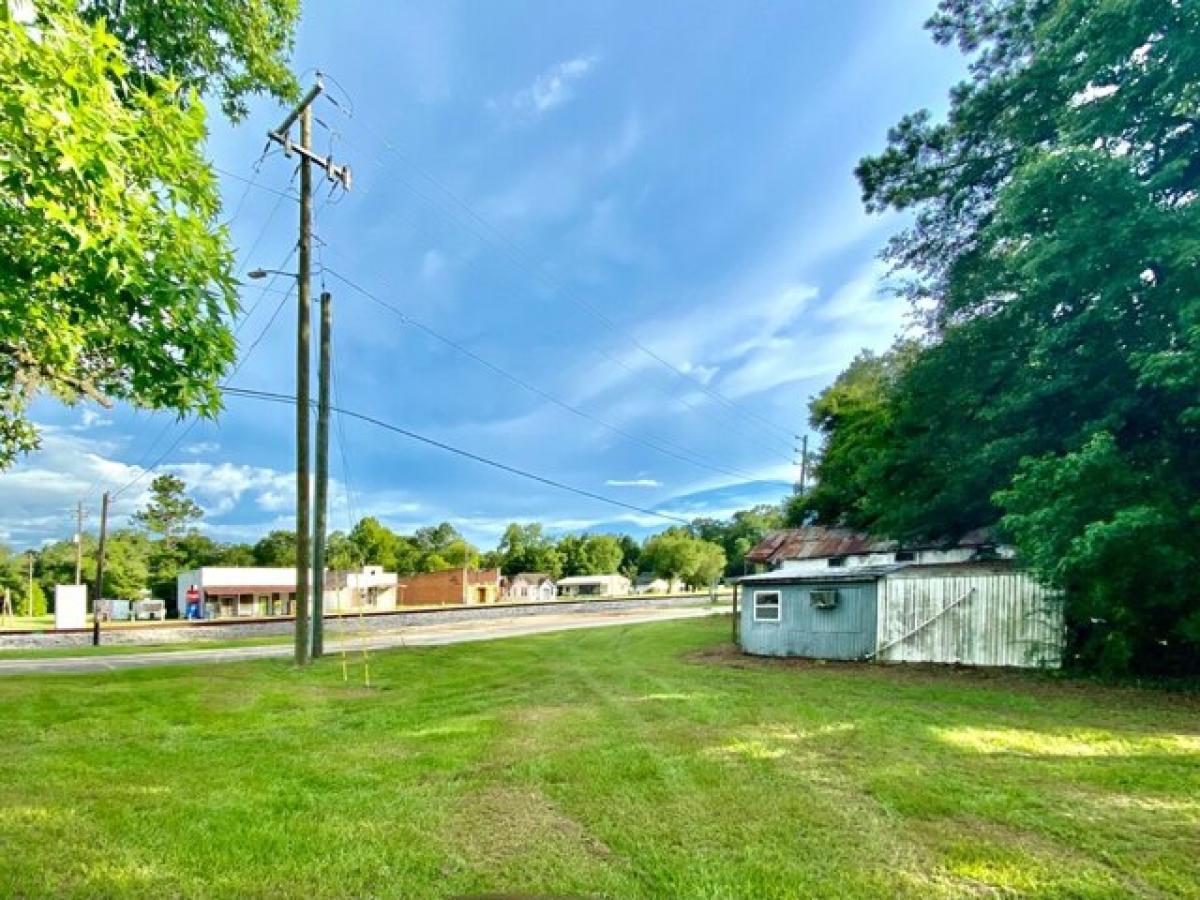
{"x":550,"y":89}
{"x":201,"y":447}
{"x":634,"y":482}
{"x":91,"y":419}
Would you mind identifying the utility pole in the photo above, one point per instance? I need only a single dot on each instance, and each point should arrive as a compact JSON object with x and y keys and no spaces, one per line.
{"x":29,"y":596}
{"x":100,"y":571}
{"x":803,"y":483}
{"x":321,"y":502}
{"x":280,"y":135}
{"x":79,"y":542}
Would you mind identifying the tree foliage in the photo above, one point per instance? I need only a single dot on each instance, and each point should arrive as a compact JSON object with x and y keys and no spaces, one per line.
{"x":737,"y":535}
{"x":278,"y":548}
{"x":527,"y":548}
{"x":1054,"y":246}
{"x":676,"y":553}
{"x":231,"y":48}
{"x":170,"y":510}
{"x":116,"y":278}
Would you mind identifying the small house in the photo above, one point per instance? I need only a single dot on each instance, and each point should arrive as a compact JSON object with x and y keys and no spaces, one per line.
{"x":529,"y":587}
{"x":649,"y":583}
{"x":843,"y":595}
{"x":594,"y":586}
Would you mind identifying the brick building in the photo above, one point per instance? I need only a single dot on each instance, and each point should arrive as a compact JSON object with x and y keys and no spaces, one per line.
{"x":450,"y":588}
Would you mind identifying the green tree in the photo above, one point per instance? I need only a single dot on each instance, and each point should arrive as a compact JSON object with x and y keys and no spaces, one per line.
{"x":116,"y":278}
{"x":341,"y":554}
{"x":590,"y":554}
{"x":676,"y":553}
{"x":527,"y":548}
{"x":235,"y":555}
{"x":229,"y":48}
{"x":170,"y":511}
{"x":56,"y":563}
{"x":440,"y":547}
{"x":126,"y":565}
{"x":377,"y":545}
{"x":631,"y":555}
{"x":1054,"y":212}
{"x":737,"y":535}
{"x":14,"y":576}
{"x":278,"y":548}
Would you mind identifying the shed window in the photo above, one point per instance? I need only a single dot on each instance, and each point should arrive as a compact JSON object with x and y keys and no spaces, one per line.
{"x":905,"y":556}
{"x":824,"y":599}
{"x":766,"y":606}
{"x":837,"y":561}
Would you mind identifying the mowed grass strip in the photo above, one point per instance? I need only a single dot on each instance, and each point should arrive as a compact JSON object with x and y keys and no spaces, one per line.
{"x":638,"y":761}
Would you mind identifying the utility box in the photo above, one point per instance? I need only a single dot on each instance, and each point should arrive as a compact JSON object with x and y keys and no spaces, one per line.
{"x":70,"y":606}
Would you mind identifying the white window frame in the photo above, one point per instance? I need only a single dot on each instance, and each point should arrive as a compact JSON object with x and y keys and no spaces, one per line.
{"x":778,"y":607}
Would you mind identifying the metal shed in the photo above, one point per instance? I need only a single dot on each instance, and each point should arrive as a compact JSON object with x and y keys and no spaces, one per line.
{"x":970,"y":614}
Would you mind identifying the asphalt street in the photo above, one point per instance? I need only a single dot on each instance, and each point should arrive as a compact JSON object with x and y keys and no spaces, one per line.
{"x":414,"y":636}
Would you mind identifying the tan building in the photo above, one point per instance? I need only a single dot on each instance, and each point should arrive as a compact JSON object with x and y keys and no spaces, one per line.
{"x":594,"y":586}
{"x":450,"y":588}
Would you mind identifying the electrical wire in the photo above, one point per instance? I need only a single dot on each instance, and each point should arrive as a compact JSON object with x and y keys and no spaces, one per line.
{"x":524,"y":259}
{"x":195,"y":419}
{"x":290,"y":399}
{"x":656,"y":445}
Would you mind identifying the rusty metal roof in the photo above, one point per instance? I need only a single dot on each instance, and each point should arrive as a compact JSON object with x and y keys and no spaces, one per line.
{"x":814,"y":543}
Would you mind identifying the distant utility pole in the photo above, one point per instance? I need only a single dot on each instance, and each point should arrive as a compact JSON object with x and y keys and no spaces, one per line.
{"x":803,"y":482}
{"x":321,"y":502}
{"x":100,"y":571}
{"x":79,"y":542}
{"x":280,"y":135}
{"x":29,"y":598}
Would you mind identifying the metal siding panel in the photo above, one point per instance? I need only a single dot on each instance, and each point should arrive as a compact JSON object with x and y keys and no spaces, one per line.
{"x":1008,"y":620}
{"x":846,"y":632}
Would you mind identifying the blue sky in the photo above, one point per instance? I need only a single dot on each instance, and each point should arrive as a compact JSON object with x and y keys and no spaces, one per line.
{"x":550,"y":186}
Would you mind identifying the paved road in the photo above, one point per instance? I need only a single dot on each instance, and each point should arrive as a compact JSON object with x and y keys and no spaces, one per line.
{"x":414,"y":636}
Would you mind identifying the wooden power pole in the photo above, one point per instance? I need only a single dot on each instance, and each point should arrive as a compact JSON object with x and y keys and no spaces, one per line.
{"x":79,"y":542}
{"x":99,"y":571}
{"x":803,"y":483}
{"x":320,"y":499}
{"x":280,"y":135}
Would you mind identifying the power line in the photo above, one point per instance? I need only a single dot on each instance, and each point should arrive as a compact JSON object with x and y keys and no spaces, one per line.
{"x":525,"y":259}
{"x":656,"y":445}
{"x":252,"y":183}
{"x":195,"y":419}
{"x":243,"y":316}
{"x":783,"y":448}
{"x":467,"y":454}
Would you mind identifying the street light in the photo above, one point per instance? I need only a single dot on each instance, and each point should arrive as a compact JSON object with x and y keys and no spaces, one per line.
{"x":257,"y":274}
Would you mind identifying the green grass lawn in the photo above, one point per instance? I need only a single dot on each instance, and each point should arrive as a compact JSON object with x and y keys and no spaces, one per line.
{"x":637,"y":761}
{"x":123,"y":649}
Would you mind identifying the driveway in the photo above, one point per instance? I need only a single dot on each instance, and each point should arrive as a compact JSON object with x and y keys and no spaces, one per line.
{"x":414,"y":636}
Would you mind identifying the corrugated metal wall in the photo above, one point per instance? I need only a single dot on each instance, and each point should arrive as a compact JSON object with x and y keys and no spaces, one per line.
{"x":1008,"y":620}
{"x":845,"y":632}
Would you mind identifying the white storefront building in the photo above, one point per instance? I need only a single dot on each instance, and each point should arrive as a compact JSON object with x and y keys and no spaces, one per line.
{"x":259,"y":591}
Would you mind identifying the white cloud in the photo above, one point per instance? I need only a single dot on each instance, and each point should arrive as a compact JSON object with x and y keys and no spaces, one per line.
{"x":220,"y":487}
{"x":634,"y":482}
{"x":200,"y":448}
{"x":550,"y":89}
{"x":91,"y":419}
{"x":38,"y":495}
